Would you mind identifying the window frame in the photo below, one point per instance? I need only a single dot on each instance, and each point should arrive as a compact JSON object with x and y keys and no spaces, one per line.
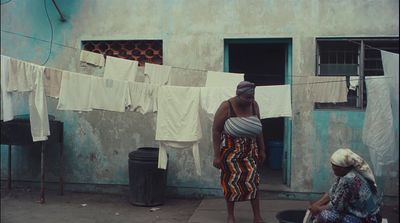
{"x":361,"y":92}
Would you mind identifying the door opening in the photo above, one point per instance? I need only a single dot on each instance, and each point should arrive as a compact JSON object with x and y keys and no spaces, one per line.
{"x":264,"y":63}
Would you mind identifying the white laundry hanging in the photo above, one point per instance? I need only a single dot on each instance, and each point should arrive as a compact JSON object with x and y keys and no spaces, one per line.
{"x":38,"y":113}
{"x":52,"y":82}
{"x":7,"y":111}
{"x":110,"y":95}
{"x":178,"y":121}
{"x":378,"y":130}
{"x":328,"y":89}
{"x":156,"y":74}
{"x":218,"y":79}
{"x":120,"y":69}
{"x":274,"y":101}
{"x":143,"y":97}
{"x":89,"y":57}
{"x":74,"y":92}
{"x":212,"y":97}
{"x":390,"y":62}
{"x":21,"y":76}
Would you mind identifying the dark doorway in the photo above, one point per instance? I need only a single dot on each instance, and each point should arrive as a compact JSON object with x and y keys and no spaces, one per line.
{"x":263,"y":64}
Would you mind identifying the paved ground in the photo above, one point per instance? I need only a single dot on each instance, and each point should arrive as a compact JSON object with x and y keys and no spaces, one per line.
{"x":20,"y":206}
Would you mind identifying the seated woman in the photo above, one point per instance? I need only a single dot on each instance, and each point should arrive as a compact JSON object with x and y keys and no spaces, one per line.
{"x":353,"y":197}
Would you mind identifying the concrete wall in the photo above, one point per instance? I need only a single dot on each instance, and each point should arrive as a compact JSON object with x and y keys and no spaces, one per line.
{"x":193,"y":32}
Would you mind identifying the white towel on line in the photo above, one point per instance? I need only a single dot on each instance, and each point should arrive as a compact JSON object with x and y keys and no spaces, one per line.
{"x":120,"y":69}
{"x":110,"y":95}
{"x":178,"y":114}
{"x":74,"y":92}
{"x":274,"y":101}
{"x":52,"y":82}
{"x":21,"y":76}
{"x":7,"y":111}
{"x":92,"y":58}
{"x":143,"y":97}
{"x":218,"y":79}
{"x":156,"y":74}
{"x":212,"y":97}
{"x":328,"y":89}
{"x":38,"y":113}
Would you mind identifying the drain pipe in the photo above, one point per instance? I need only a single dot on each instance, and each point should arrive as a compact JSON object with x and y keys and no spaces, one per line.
{"x":62,"y":18}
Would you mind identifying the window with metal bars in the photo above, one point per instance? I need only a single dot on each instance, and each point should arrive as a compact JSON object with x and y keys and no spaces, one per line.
{"x":143,"y":51}
{"x":358,"y":57}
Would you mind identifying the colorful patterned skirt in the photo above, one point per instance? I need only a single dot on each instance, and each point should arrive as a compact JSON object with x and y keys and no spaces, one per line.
{"x":239,"y":175}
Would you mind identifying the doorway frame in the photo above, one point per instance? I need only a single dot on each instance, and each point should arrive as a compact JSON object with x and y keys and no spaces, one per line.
{"x":287,"y":142}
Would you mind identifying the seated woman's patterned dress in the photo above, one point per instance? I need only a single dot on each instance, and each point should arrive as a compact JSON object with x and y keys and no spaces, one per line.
{"x":239,"y":152}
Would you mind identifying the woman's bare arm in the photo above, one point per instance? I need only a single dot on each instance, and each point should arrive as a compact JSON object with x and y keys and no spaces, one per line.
{"x":218,"y":125}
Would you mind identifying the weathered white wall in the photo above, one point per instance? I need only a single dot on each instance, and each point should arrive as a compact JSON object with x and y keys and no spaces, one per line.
{"x":193,"y":32}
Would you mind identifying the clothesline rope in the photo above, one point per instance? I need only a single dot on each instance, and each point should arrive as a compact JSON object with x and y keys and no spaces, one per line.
{"x":203,"y":70}
{"x":293,"y":84}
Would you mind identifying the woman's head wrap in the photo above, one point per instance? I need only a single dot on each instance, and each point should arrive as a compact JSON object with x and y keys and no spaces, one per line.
{"x":245,"y":87}
{"x":346,"y":158}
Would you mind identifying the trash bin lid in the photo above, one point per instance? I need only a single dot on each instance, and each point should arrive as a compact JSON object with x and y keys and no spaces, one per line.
{"x":144,"y":154}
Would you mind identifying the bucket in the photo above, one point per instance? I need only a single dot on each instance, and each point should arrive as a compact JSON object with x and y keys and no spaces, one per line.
{"x":275,"y":149}
{"x":291,"y":216}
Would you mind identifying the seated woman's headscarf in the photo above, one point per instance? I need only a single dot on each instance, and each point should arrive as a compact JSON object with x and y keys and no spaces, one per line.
{"x":346,"y":158}
{"x":245,"y":87}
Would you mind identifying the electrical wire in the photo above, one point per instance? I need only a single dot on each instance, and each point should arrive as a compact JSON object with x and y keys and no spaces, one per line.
{"x":52,"y":32}
{"x":35,"y":38}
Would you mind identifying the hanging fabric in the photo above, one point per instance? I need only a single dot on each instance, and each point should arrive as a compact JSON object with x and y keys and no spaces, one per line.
{"x":120,"y":69}
{"x":274,"y":101}
{"x":218,"y":79}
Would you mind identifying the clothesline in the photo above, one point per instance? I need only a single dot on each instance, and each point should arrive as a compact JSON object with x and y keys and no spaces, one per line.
{"x":293,"y":84}
{"x":194,"y":69}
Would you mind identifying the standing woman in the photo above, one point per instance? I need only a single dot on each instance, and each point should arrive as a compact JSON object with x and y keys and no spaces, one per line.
{"x":239,"y":149}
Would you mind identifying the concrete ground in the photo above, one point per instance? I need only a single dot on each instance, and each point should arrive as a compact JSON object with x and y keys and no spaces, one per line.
{"x":20,"y":205}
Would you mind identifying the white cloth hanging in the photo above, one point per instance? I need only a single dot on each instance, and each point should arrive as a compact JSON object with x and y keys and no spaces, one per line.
{"x":378,"y":131}
{"x":178,"y":121}
{"x":21,"y":76}
{"x":52,"y":82}
{"x":38,"y":113}
{"x":390,"y":62}
{"x":96,"y":59}
{"x":178,"y":114}
{"x":143,"y":97}
{"x":7,"y":111}
{"x":354,"y":81}
{"x":74,"y":92}
{"x":274,"y":101}
{"x":328,"y":89}
{"x":120,"y":69}
{"x":163,"y":157}
{"x":156,"y":74}
{"x":110,"y":95}
{"x":218,"y":79}
{"x":212,"y":97}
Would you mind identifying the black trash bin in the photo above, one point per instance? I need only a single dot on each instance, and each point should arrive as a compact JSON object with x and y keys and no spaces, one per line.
{"x":147,"y":183}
